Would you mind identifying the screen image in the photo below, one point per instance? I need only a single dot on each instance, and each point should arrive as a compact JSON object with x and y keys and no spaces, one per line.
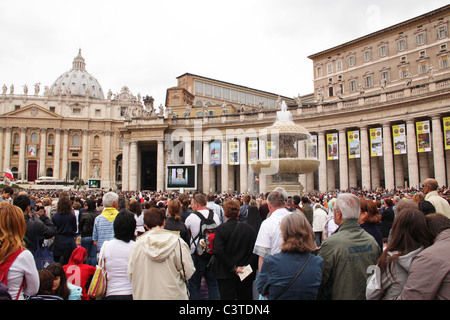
{"x":94,"y":183}
{"x":181,"y":176}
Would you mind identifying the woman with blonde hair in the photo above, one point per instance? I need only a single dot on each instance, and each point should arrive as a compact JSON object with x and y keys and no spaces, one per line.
{"x":294,"y":273}
{"x":17,"y":267}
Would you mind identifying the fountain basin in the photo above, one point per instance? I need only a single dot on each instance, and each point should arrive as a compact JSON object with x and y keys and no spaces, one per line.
{"x":286,"y":165}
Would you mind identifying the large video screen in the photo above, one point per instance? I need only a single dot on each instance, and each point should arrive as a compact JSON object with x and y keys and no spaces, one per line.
{"x":181,"y":176}
{"x":94,"y":183}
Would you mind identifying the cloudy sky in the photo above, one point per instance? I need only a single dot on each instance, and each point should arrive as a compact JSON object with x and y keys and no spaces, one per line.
{"x":145,"y":45}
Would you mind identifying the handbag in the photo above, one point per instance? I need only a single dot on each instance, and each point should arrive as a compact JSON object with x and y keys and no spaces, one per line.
{"x":42,"y":256}
{"x":97,"y":288}
{"x":184,"y":272}
{"x":293,"y":280}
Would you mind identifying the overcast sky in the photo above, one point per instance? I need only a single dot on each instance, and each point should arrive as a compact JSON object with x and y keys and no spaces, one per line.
{"x":145,"y":45}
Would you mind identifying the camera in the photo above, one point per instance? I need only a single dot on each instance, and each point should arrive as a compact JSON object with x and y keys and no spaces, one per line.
{"x":38,"y":207}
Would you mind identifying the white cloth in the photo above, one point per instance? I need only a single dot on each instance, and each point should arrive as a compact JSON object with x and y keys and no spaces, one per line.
{"x":116,"y":254}
{"x":319,"y":220}
{"x":193,"y":223}
{"x":22,"y":268}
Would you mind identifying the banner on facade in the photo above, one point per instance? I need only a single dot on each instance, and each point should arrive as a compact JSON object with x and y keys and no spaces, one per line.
{"x":376,"y":142}
{"x":446,"y":133}
{"x":233,"y":148}
{"x":252,"y":150}
{"x":332,"y":146}
{"x":270,"y":149}
{"x":399,"y":137}
{"x":32,"y":150}
{"x":354,"y":146}
{"x":215,"y":153}
{"x":311,"y":147}
{"x":423,"y":136}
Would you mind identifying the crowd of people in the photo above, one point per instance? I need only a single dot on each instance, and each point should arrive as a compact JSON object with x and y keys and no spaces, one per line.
{"x":350,"y":244}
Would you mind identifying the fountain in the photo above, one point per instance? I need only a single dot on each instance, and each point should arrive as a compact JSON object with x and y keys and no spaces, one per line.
{"x":284,"y":165}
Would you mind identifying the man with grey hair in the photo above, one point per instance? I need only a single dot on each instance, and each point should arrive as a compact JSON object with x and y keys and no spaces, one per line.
{"x":269,"y":238}
{"x":441,"y":205}
{"x":104,"y":223}
{"x":347,"y":254}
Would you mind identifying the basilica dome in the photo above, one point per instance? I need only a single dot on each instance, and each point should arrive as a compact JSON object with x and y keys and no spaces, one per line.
{"x":77,"y":82}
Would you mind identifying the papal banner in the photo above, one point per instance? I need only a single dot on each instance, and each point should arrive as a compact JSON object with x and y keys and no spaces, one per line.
{"x":215,"y":153}
{"x":423,"y":136}
{"x":270,"y":149}
{"x":446,"y":133}
{"x":332,"y":146}
{"x":354,"y":147}
{"x":376,"y":142}
{"x":252,"y":150}
{"x":311,"y":147}
{"x":233,"y":154}
{"x":399,"y":138}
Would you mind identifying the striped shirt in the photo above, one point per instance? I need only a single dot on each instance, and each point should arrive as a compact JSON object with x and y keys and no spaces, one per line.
{"x":103,"y":231}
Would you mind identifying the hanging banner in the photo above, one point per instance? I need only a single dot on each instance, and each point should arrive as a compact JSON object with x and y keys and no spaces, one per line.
{"x":233,"y":148}
{"x":252,"y":150}
{"x":215,"y":153}
{"x":446,"y":133}
{"x":376,"y":143}
{"x":423,"y":136}
{"x":354,"y":147}
{"x":311,"y":147}
{"x":270,"y":149}
{"x":332,"y":146}
{"x":399,"y":137}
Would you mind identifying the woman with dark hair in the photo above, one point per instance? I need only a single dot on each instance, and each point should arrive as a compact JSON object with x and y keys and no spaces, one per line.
{"x":115,"y":255}
{"x":294,"y":273}
{"x":409,"y":236}
{"x":86,"y":227}
{"x":254,"y":218}
{"x":61,"y":287}
{"x":233,"y":250}
{"x":173,"y":221}
{"x":66,"y":227}
{"x":185,"y":210}
{"x":387,"y":218}
{"x":45,"y":287}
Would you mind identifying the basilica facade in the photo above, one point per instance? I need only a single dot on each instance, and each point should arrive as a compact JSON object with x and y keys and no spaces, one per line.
{"x":379,"y":117}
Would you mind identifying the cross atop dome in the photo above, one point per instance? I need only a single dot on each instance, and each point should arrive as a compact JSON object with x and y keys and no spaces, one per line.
{"x":79,"y":63}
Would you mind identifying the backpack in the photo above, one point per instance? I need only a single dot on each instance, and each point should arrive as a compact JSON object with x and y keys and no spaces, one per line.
{"x":206,"y":235}
{"x":4,"y":270}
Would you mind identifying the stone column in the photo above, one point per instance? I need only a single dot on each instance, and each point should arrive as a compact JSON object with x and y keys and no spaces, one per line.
{"x":42,"y":152}
{"x":1,"y":149}
{"x":160,"y":167}
{"x":65,"y":154}
{"x":57,"y":154}
{"x":188,"y":151}
{"x":7,"y":153}
{"x":301,"y":155}
{"x":343,"y":164}
{"x":243,"y":169}
{"x":375,"y":172}
{"x":398,"y":171}
{"x":206,"y":167}
{"x":107,"y":164}
{"x":413,"y":168}
{"x":22,"y":148}
{"x":262,"y":156}
{"x":388,"y":158}
{"x":323,"y":162}
{"x":224,"y":166}
{"x":125,"y":165}
{"x":365,"y":159}
{"x":352,"y":174}
{"x":85,"y":157}
{"x":133,"y":168}
{"x":438,"y":151}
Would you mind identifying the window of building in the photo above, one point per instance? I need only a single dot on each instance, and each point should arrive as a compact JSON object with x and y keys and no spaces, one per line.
{"x":330,"y":91}
{"x":422,"y":54}
{"x":329,"y":67}
{"x":123,"y":111}
{"x":384,"y":76}
{"x":441,"y":31}
{"x":367,"y":55}
{"x":351,"y":61}
{"x":51,"y":139}
{"x":423,"y":67}
{"x":226,"y":93}
{"x":368,"y":81}
{"x":318,"y":71}
{"x":98,"y":112}
{"x":403,"y":72}
{"x":401,"y":45}
{"x":443,"y":62}
{"x":208,"y":90}
{"x":383,"y":50}
{"x":16,"y":138}
{"x":339,"y":65}
{"x":76,"y":111}
{"x":16,"y":107}
{"x":217,"y":92}
{"x":352,"y":86}
{"x":234,"y":95}
{"x":33,"y":138}
{"x":198,"y":87}
{"x":443,"y":47}
{"x":421,"y":38}
{"x":52,"y":109}
{"x":75,"y":140}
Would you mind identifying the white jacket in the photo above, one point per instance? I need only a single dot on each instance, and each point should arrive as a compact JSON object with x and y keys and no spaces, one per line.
{"x":440,"y":204}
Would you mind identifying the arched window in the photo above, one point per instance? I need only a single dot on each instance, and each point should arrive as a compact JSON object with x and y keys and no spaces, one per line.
{"x":49,"y":172}
{"x":16,"y":138}
{"x":76,"y":140}
{"x":33,"y":137}
{"x":51,"y":139}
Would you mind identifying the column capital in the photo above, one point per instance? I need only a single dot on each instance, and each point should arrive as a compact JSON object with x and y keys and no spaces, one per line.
{"x":386,"y":124}
{"x":436,"y":117}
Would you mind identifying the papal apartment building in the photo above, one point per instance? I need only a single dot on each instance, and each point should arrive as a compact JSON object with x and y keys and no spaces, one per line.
{"x":379,"y":117}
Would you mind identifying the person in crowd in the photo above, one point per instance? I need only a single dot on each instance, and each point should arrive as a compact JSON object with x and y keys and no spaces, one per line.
{"x":45,"y":291}
{"x":215,"y":207}
{"x":66,"y":228}
{"x":369,"y":220}
{"x":409,"y":237}
{"x":254,"y":218}
{"x":17,"y":267}
{"x":426,"y":207}
{"x":347,"y":253}
{"x":441,"y":205}
{"x":264,"y":207}
{"x":86,"y":228}
{"x":104,"y":223}
{"x":233,"y":250}
{"x":173,"y":220}
{"x":136,"y":208}
{"x":78,"y":272}
{"x":115,"y":254}
{"x":429,"y":273}
{"x":160,"y":262}
{"x":44,"y":227}
{"x":61,"y":287}
{"x":269,"y":240}
{"x":307,"y":209}
{"x":185,"y":206}
{"x":330,"y":227}
{"x":7,"y":194}
{"x":243,"y":210}
{"x":202,"y":264}
{"x":319,"y":220}
{"x":296,"y":203}
{"x":294,"y":273}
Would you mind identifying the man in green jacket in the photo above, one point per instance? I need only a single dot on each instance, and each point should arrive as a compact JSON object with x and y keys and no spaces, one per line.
{"x":347,"y":254}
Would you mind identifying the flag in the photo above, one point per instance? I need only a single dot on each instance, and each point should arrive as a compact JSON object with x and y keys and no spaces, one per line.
{"x":8,"y":174}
